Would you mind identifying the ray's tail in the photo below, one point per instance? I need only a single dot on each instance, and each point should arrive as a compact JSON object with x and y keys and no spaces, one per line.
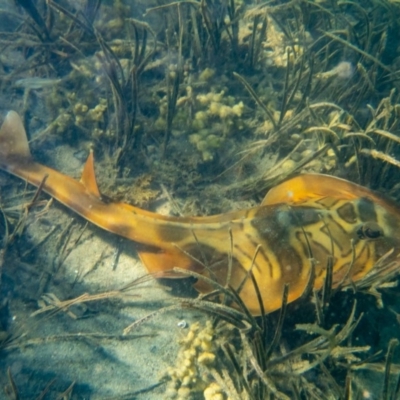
{"x":83,"y":196}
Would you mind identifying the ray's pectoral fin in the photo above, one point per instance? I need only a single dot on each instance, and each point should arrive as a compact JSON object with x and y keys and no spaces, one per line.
{"x":313,"y":186}
{"x":163,"y":262}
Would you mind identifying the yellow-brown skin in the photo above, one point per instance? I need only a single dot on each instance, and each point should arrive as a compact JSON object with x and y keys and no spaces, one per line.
{"x":307,"y":220}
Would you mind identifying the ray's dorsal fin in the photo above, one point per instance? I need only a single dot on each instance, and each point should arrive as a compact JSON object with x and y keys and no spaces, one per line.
{"x":13,"y":140}
{"x":88,"y":177}
{"x":311,"y":186}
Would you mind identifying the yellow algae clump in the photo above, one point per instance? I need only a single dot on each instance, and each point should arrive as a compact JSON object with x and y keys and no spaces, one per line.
{"x":213,"y":392}
{"x":237,"y":109}
{"x":189,"y":377}
{"x":205,"y":142}
{"x":206,"y":358}
{"x":97,"y":113}
{"x":206,"y":75}
{"x":207,"y":119}
{"x":217,"y":119}
{"x":277,"y":47}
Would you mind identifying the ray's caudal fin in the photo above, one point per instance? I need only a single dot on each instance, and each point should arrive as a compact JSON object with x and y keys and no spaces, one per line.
{"x":304,"y":227}
{"x":14,"y":145}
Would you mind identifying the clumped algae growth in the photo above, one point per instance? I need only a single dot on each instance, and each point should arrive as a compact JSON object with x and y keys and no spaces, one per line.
{"x":219,"y":118}
{"x":207,"y":119}
{"x":190,"y":377}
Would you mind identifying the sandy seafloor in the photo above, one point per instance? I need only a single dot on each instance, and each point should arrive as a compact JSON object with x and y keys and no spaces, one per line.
{"x":90,"y":350}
